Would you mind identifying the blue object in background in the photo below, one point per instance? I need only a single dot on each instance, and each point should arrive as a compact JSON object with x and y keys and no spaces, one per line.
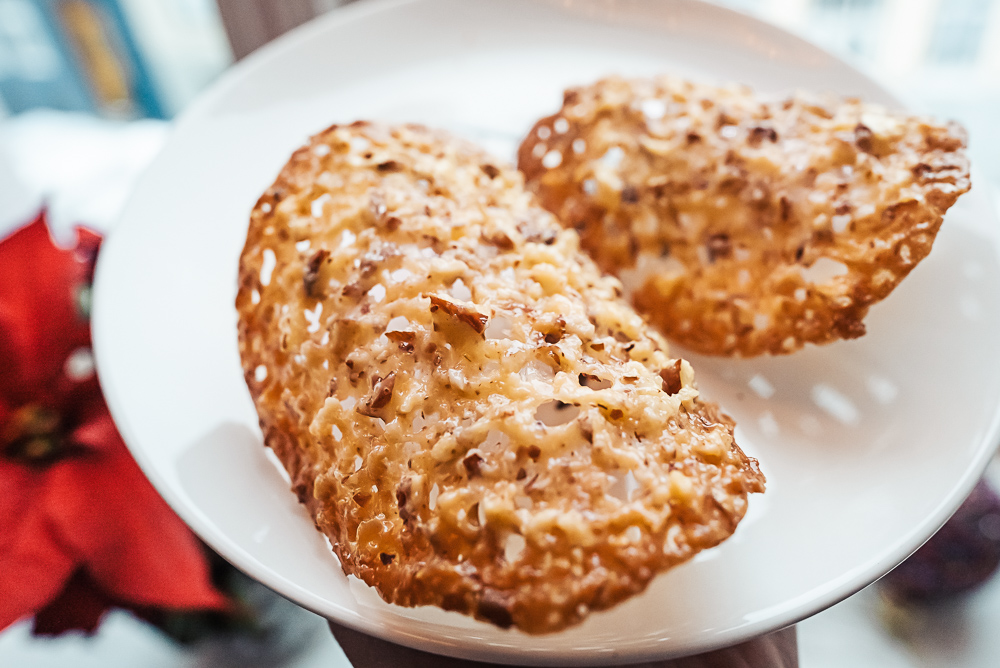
{"x":74,"y":55}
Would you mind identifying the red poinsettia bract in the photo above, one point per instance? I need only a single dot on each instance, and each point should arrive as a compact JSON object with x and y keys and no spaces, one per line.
{"x":81,"y":529}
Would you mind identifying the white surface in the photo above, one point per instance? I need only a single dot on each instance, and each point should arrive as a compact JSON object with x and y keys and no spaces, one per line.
{"x":868,"y":445}
{"x":125,"y":642}
{"x":850,"y":635}
{"x":81,"y":167}
{"x":17,"y":201}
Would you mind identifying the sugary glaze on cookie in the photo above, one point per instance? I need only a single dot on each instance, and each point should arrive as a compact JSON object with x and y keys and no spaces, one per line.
{"x":742,"y":225}
{"x":468,"y":408}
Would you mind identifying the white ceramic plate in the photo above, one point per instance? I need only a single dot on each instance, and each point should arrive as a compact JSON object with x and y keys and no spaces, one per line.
{"x":868,"y":445}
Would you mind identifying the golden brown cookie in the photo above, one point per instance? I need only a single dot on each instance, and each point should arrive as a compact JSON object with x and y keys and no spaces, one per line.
{"x":742,"y":225}
{"x":467,"y":407}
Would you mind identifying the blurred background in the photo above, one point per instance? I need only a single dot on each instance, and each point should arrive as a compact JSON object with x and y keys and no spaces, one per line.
{"x":102,"y":78}
{"x":88,"y":89}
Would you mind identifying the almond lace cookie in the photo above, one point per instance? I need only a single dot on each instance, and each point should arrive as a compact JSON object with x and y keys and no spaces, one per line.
{"x":742,"y":225}
{"x":466,"y":406}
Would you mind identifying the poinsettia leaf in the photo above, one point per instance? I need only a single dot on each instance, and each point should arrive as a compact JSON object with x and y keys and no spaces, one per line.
{"x":81,"y":528}
{"x":80,"y":606}
{"x":95,"y":430}
{"x":34,"y":564}
{"x":40,"y":324}
{"x":133,"y":544}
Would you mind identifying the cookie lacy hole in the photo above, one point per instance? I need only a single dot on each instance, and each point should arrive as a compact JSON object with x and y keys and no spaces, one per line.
{"x":254,"y":297}
{"x":623,"y":485}
{"x":536,"y":371}
{"x":497,"y":328}
{"x":552,"y":159}
{"x":472,"y":514}
{"x":633,"y":534}
{"x":359,"y":144}
{"x":267,"y":266}
{"x":260,"y":373}
{"x":513,"y":547}
{"x":579,"y":146}
{"x":398,"y":324}
{"x":312,"y":317}
{"x":561,"y":125}
{"x":654,"y":109}
{"x":840,"y":223}
{"x":648,"y":264}
{"x":460,"y":291}
{"x":495,"y":443}
{"x":613,"y":157}
{"x":337,"y":434}
{"x":400,"y":275}
{"x":481,"y":514}
{"x":594,"y":382}
{"x":303,"y":246}
{"x":377,"y":293}
{"x":316,"y":208}
{"x":823,"y":270}
{"x":554,"y":413}
{"x":347,"y":238}
{"x":432,"y":498}
{"x":543,"y":132}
